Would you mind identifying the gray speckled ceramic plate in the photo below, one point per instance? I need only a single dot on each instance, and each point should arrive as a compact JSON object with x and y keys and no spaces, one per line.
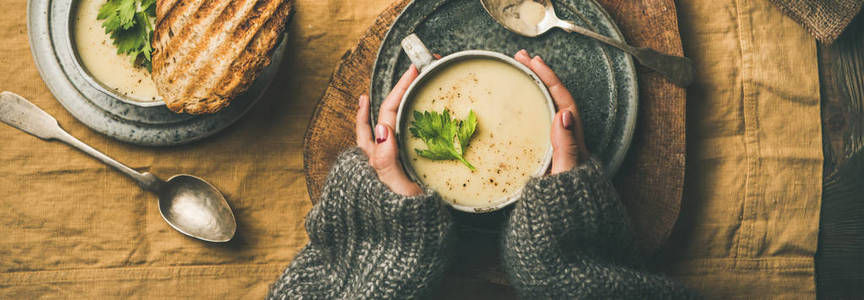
{"x":49,"y":33}
{"x":602,"y":80}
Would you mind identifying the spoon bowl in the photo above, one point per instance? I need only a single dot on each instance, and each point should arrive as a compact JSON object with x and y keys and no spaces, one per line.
{"x":529,"y":18}
{"x":196,"y":208}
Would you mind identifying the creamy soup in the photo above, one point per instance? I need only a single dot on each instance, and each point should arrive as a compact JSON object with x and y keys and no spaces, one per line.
{"x":100,"y":58}
{"x":525,"y":16}
{"x":531,"y":13}
{"x":512,"y":136}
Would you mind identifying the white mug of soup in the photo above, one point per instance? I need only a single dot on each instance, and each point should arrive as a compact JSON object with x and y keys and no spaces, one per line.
{"x":514,"y":117}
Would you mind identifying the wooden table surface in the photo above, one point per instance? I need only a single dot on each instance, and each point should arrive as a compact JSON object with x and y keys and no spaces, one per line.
{"x":840,"y":258}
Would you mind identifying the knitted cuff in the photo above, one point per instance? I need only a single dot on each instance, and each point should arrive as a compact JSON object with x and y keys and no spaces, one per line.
{"x":590,"y":171}
{"x":369,"y":242}
{"x":353,"y":186}
{"x":579,"y":208}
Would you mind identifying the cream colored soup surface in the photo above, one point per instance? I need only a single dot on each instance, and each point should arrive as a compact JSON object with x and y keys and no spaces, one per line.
{"x":512,"y":135}
{"x":101,"y":60}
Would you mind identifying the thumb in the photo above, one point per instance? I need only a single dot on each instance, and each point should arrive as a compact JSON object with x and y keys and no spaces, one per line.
{"x":566,"y":145}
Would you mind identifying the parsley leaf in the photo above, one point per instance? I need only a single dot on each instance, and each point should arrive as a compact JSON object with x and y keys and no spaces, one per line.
{"x":441,"y":133}
{"x":126,"y":11}
{"x":128,"y":22}
{"x":109,"y":17}
{"x":466,"y":130}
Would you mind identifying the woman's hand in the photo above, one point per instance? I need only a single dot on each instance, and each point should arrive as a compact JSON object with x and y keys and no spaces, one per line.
{"x":568,"y":140}
{"x":383,"y":153}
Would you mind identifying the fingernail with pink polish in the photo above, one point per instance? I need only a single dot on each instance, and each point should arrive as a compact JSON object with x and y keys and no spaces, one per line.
{"x":567,"y":120}
{"x":380,"y":134}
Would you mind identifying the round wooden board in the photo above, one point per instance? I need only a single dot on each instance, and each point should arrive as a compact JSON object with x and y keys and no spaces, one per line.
{"x":650,"y":181}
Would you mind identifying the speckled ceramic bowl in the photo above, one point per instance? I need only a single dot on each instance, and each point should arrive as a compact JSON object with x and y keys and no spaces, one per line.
{"x":422,"y":58}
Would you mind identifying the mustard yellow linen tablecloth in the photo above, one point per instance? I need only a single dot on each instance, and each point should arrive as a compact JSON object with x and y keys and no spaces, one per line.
{"x":750,"y":214}
{"x":72,"y":228}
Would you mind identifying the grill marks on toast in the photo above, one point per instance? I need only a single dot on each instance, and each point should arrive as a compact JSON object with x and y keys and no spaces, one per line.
{"x":189,"y":39}
{"x":238,"y":32}
{"x":249,"y":60}
{"x":209,"y":51}
{"x":166,"y":8}
{"x":176,"y":18}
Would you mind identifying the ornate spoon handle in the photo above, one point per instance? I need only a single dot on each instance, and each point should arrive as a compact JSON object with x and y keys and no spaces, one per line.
{"x":25,"y":116}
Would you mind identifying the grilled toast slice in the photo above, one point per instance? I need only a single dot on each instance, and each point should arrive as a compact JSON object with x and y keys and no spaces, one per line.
{"x":207,"y":52}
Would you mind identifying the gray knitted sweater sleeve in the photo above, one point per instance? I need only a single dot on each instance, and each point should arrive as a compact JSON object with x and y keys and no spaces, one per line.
{"x":366,"y":242}
{"x":569,"y":237}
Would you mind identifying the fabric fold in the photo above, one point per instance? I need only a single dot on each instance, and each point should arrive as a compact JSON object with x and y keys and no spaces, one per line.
{"x":750,"y":215}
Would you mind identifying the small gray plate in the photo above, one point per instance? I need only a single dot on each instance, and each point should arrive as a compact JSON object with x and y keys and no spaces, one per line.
{"x":48,"y":26}
{"x":602,"y":80}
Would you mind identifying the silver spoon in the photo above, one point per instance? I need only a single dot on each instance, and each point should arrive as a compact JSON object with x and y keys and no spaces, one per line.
{"x":531,"y":18}
{"x":188,"y":203}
